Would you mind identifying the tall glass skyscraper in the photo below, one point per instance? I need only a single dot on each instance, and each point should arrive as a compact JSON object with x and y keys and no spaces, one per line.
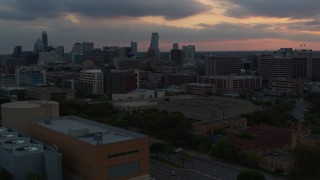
{"x":134,"y":48}
{"x":45,"y":41}
{"x":155,"y":44}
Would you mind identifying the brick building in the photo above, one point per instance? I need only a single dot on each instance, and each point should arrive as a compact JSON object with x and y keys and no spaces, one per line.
{"x":95,"y":151}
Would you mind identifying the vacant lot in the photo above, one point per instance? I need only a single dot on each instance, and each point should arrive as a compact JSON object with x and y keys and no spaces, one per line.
{"x":205,"y":108}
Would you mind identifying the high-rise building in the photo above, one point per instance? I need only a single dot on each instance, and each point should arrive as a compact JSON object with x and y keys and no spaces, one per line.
{"x":77,"y":48}
{"x":188,"y":52}
{"x":155,"y":44}
{"x":17,"y":52}
{"x":38,"y":46}
{"x":87,"y":47}
{"x":45,"y":40}
{"x":60,"y":50}
{"x":286,"y":64}
{"x":134,"y":48}
{"x":176,"y":56}
{"x":175,"y":46}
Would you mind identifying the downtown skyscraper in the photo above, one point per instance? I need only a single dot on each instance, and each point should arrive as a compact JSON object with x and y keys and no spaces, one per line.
{"x":155,"y":44}
{"x":45,"y":41}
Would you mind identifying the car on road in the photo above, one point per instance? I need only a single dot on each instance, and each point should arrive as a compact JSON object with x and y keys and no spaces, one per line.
{"x":179,"y":150}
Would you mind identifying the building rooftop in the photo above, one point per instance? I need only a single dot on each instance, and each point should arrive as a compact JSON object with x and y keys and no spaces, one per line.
{"x":88,"y":131}
{"x":134,"y":103}
{"x":220,"y":120}
{"x":29,"y":104}
{"x":265,"y":136}
{"x":16,"y":145}
{"x":11,"y":88}
{"x":50,"y":89}
{"x":92,"y":71}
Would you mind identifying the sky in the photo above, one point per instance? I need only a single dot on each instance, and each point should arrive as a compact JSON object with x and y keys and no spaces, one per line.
{"x":210,"y":25}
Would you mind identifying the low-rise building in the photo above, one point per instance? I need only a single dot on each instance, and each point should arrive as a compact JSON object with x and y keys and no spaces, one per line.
{"x":277,"y":160}
{"x":288,"y":87}
{"x":232,"y":84}
{"x":209,"y":127}
{"x":200,"y":89}
{"x":7,"y":80}
{"x":95,"y":151}
{"x":20,"y":156}
{"x":50,"y":93}
{"x":139,"y":94}
{"x":134,"y":106}
{"x":266,"y":139}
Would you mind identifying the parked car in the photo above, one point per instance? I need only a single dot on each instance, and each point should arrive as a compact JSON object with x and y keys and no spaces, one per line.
{"x":179,"y":150}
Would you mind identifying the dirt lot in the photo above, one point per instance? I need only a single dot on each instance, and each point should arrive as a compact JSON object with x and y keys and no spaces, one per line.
{"x":206,"y":108}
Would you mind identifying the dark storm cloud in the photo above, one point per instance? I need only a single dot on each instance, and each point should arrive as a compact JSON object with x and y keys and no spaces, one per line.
{"x":274,"y":8}
{"x":34,"y":9}
{"x":305,"y":26}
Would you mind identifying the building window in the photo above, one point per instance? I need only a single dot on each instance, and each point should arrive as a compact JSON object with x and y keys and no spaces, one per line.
{"x":123,"y":154}
{"x":123,"y":169}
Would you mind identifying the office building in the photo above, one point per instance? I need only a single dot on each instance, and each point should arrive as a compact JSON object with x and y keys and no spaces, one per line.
{"x":134,"y":48}
{"x":17,"y":52}
{"x":77,"y":48}
{"x":222,"y":65}
{"x":50,"y":93}
{"x":87,"y":47}
{"x":38,"y":46}
{"x":232,"y":84}
{"x":59,"y":50}
{"x":30,"y":76}
{"x":7,"y":80}
{"x":288,"y":87}
{"x":315,"y":68}
{"x":10,"y":64}
{"x":123,"y":81}
{"x":47,"y":58}
{"x":176,"y":56}
{"x":188,"y":52}
{"x":175,"y":46}
{"x":45,"y":41}
{"x":91,"y":81}
{"x":15,"y":115}
{"x":288,"y":65}
{"x":155,"y":44}
{"x":95,"y":151}
{"x":20,"y":156}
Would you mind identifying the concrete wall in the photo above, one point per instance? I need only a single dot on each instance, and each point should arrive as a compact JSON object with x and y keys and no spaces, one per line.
{"x":15,"y":115}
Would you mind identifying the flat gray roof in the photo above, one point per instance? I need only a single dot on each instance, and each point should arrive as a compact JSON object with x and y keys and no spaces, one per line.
{"x":220,"y":120}
{"x":109,"y":134}
{"x":29,"y":104}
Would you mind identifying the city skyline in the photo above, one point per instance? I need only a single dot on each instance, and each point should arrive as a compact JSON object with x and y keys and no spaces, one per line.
{"x":208,"y":24}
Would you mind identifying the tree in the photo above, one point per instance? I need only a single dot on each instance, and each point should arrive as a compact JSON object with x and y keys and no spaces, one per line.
{"x":251,"y":158}
{"x":158,"y":147}
{"x":222,"y":148}
{"x":184,"y":157}
{"x":250,"y":175}
{"x":34,"y":176}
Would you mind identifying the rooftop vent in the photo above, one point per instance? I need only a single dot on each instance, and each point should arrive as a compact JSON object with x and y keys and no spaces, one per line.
{"x":16,"y":141}
{"x":78,"y":131}
{"x":97,"y":136}
{"x":28,"y":148}
{"x":47,"y":122}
